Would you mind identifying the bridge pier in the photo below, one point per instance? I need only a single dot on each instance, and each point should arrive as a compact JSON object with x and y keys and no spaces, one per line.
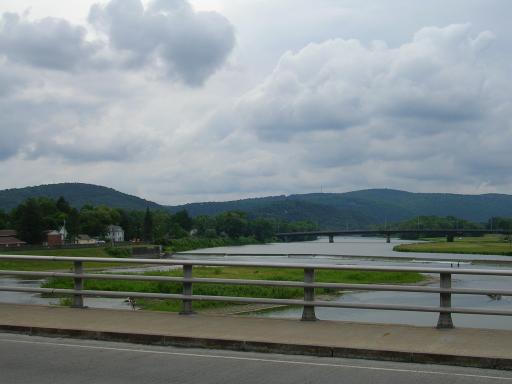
{"x":308,"y":313}
{"x":78,"y":283}
{"x":331,"y":238}
{"x":186,"y":305}
{"x":449,"y":238}
{"x":445,"y":318}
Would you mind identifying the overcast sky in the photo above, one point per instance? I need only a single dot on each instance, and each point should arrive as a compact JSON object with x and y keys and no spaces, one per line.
{"x":180,"y":101}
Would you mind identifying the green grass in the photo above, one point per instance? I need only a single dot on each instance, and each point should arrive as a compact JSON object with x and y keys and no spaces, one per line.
{"x":236,"y":290}
{"x":19,"y":265}
{"x":486,"y":245}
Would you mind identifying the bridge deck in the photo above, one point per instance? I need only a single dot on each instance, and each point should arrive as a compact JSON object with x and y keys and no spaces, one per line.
{"x":470,"y":347}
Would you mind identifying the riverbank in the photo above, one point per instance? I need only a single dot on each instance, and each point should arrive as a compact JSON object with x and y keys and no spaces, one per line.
{"x":279,"y":274}
{"x":21,"y":265}
{"x":193,"y":243}
{"x":177,"y":245}
{"x":486,"y":245}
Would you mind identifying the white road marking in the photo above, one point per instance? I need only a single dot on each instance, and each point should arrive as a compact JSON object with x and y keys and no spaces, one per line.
{"x":291,"y":362}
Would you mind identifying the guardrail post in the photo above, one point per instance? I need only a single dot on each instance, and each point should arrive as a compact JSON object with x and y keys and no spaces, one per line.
{"x":78,"y":299}
{"x":186,"y":308}
{"x":445,"y":318}
{"x":308,"y":313}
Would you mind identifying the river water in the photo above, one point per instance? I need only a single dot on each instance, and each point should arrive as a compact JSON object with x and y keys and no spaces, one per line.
{"x":354,"y":251}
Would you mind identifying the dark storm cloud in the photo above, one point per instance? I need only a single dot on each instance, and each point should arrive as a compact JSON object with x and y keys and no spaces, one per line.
{"x":190,"y":45}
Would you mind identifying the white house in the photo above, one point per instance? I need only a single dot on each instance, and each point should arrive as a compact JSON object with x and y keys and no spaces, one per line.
{"x":115,"y":233}
{"x":63,"y":232}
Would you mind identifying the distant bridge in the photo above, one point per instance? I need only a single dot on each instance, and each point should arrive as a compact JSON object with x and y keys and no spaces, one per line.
{"x":449,"y":233}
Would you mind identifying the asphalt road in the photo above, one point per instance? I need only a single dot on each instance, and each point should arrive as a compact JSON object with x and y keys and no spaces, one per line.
{"x":30,"y":359}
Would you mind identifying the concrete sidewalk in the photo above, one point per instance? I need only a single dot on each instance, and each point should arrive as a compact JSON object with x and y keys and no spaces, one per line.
{"x":467,"y":347}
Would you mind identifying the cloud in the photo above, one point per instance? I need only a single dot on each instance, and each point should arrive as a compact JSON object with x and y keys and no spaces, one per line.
{"x":68,"y":94}
{"x":47,"y":43}
{"x":168,"y":36}
{"x":432,"y":113}
{"x":341,"y":84}
{"x":189,"y":45}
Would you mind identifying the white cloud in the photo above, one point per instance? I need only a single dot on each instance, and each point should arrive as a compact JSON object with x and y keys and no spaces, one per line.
{"x":64,"y":93}
{"x":189,"y":45}
{"x":155,"y":97}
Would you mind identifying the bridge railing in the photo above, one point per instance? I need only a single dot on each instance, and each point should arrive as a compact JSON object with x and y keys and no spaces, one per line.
{"x":309,"y":302}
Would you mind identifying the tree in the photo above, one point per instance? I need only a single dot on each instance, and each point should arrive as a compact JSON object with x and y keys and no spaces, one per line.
{"x":148,"y":228}
{"x":233,"y":224}
{"x":262,"y":229}
{"x":73,"y":223}
{"x":30,"y":223}
{"x":183,"y":220}
{"x":63,"y":205}
{"x":4,"y":219}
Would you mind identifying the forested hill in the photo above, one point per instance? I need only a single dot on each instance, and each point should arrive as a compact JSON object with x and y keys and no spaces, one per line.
{"x":77,"y":194}
{"x":361,"y":209}
{"x":358,"y":209}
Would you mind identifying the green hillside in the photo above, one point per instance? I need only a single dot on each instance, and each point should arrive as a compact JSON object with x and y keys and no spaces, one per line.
{"x":358,"y":209}
{"x":77,"y":194}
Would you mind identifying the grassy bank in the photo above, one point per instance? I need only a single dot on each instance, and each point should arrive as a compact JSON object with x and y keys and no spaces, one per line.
{"x":360,"y":277}
{"x":486,"y":245}
{"x":59,"y":265}
{"x":177,"y":245}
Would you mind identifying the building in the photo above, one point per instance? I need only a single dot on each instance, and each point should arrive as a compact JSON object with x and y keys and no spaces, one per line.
{"x":85,"y":239}
{"x":53,"y":238}
{"x":8,"y":239}
{"x":115,"y":233}
{"x":63,"y":232}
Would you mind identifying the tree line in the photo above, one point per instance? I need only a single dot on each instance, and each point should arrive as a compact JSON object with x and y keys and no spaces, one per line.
{"x":437,"y":223}
{"x":35,"y":215}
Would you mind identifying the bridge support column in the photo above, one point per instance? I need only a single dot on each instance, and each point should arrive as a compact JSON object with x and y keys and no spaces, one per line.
{"x":186,"y":308}
{"x":388,"y":238}
{"x":308,"y":313}
{"x":331,"y":238}
{"x":78,"y":300}
{"x":449,"y":238}
{"x":445,"y":318}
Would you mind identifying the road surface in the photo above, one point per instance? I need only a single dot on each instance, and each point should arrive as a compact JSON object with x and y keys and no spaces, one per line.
{"x":30,"y":359}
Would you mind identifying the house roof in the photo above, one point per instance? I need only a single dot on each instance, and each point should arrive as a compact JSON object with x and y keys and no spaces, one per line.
{"x":8,"y":233}
{"x":83,"y":237}
{"x":114,"y":228}
{"x":7,"y":240}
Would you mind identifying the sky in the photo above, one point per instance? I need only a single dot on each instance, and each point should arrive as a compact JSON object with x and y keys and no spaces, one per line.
{"x":181,"y":101}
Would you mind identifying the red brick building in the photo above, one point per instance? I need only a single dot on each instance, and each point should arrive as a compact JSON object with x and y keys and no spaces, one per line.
{"x":53,"y":238}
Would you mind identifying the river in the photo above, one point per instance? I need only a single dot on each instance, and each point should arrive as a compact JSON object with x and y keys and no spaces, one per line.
{"x":355,"y":251}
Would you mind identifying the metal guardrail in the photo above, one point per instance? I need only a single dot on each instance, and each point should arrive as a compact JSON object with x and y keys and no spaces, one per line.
{"x":309,"y":302}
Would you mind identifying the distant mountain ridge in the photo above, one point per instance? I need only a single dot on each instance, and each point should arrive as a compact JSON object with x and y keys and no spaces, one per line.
{"x":360,"y":209}
{"x":77,"y":194}
{"x":357,"y":209}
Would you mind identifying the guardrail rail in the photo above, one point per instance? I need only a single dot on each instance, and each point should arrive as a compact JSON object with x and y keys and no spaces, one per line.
{"x":309,"y":302}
